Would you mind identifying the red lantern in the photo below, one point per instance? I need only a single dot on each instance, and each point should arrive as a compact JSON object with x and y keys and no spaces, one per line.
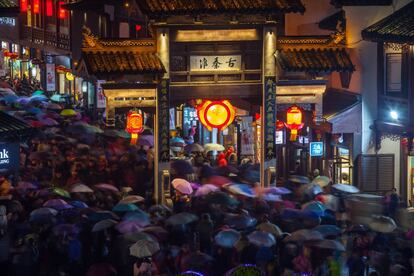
{"x":13,"y":55}
{"x":23,"y":5}
{"x":138,"y":27}
{"x":62,"y":11}
{"x":216,"y":114}
{"x":49,"y":8}
{"x":134,"y":125}
{"x":36,"y":6}
{"x":294,"y":121}
{"x":279,"y":125}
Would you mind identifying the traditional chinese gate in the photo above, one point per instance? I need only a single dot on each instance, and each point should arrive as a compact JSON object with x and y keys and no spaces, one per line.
{"x":155,"y":98}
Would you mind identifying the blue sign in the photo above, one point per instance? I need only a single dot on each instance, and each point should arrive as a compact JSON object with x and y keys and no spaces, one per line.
{"x":316,"y":148}
{"x":9,"y":156}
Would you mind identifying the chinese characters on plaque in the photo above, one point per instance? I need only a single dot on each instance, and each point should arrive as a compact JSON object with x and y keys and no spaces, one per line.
{"x":215,"y":63}
{"x":163,"y":121}
{"x":270,"y":118}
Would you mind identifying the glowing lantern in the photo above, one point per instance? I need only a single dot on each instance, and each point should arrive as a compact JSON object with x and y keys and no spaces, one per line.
{"x":62,"y":11}
{"x":134,"y":125}
{"x":216,"y":114}
{"x":138,"y":27}
{"x":279,"y":125}
{"x":294,"y":121}
{"x":49,"y":8}
{"x":23,"y":5}
{"x":36,"y":6}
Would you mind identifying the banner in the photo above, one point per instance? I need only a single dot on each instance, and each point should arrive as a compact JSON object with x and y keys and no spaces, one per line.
{"x":247,"y":136}
{"x":269,"y":118}
{"x":9,"y":156}
{"x":100,"y":97}
{"x":163,"y":110}
{"x":50,"y":77}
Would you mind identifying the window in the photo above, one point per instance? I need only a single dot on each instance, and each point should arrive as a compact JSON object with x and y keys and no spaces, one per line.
{"x":376,"y":172}
{"x":393,"y":83}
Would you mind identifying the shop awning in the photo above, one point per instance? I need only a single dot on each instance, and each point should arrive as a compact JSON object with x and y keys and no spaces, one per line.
{"x":159,"y":8}
{"x":11,"y":127}
{"x":395,"y":28}
{"x":315,"y":60}
{"x":9,"y":8}
{"x":340,"y":3}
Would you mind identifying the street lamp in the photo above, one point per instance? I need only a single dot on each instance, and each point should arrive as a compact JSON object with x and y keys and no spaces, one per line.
{"x":394,"y":115}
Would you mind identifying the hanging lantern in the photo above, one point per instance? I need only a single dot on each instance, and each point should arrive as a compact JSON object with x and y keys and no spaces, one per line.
{"x":138,"y":27}
{"x":279,"y":125}
{"x":216,"y":114}
{"x":134,"y":125}
{"x":36,"y":6}
{"x":294,"y":121}
{"x":49,"y":8}
{"x":23,"y":5}
{"x":61,"y":12}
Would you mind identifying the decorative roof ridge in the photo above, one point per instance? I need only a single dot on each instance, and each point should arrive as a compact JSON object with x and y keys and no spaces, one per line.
{"x":335,"y":40}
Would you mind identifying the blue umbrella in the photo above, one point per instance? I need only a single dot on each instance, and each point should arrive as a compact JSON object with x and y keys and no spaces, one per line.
{"x":79,"y":204}
{"x":23,"y":100}
{"x":124,"y":207}
{"x":39,"y":98}
{"x":10,"y":99}
{"x":135,"y":215}
{"x":260,"y":238}
{"x":38,"y":92}
{"x":227,"y":238}
{"x":328,"y":230}
{"x":177,"y":141}
{"x":240,"y":221}
{"x":289,"y":213}
{"x":316,"y":207}
{"x":241,"y":189}
{"x":102,"y":215}
{"x":34,"y":110}
{"x":56,"y":98}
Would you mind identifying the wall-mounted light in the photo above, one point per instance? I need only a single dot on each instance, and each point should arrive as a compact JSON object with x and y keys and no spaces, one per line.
{"x":394,"y":115}
{"x":84,"y":87}
{"x":33,"y":72}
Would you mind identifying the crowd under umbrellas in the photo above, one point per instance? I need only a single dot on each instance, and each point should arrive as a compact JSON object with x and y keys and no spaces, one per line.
{"x":83,"y":205}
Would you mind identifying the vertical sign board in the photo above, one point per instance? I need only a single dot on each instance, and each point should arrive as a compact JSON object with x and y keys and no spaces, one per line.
{"x":163,"y":99}
{"x":270,"y":118}
{"x":9,"y":157}
{"x":50,"y":77}
{"x":316,"y":149}
{"x":100,"y":97}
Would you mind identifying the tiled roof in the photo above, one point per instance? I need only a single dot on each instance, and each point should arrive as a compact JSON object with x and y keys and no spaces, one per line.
{"x":396,"y":28}
{"x":122,"y":62}
{"x":315,"y":60}
{"x":9,"y":8}
{"x":12,"y":127}
{"x":336,"y":101}
{"x":175,"y":7}
{"x":340,"y":3}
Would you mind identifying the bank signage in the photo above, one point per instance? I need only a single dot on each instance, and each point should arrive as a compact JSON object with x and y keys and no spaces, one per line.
{"x":316,"y":149}
{"x":215,"y":63}
{"x":9,"y":156}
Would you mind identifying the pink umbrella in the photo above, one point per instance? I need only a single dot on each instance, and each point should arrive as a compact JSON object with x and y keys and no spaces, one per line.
{"x":128,"y":226}
{"x":107,"y":187}
{"x":57,"y":204}
{"x":206,"y":189}
{"x":219,"y":180}
{"x":182,"y":185}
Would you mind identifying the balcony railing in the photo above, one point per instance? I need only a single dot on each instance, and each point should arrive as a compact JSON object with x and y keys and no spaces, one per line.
{"x":41,"y":37}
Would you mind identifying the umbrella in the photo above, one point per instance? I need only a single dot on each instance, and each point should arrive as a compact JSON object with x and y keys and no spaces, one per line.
{"x":227,"y":238}
{"x":57,"y":204}
{"x":65,"y":229}
{"x":272,"y":198}
{"x":260,"y":238}
{"x":34,"y":110}
{"x":359,"y":228}
{"x":182,"y":167}
{"x":251,"y":175}
{"x":79,"y":204}
{"x":107,"y":187}
{"x":103,"y":224}
{"x":220,"y":198}
{"x":132,"y":199}
{"x":181,"y":218}
{"x":141,"y":218}
{"x":196,"y":261}
{"x":278,"y":190}
{"x":195,"y":147}
{"x":241,"y":189}
{"x":157,"y":231}
{"x":270,"y":228}
{"x":128,"y":226}
{"x":38,"y":92}
{"x":245,"y":269}
{"x":328,"y":244}
{"x":68,"y":112}
{"x":206,"y":189}
{"x":38,"y":98}
{"x":159,"y":208}
{"x":144,"y":248}
{"x":48,"y":121}
{"x":240,"y":222}
{"x":382,"y":224}
{"x":322,"y":181}
{"x":120,"y":207}
{"x":177,"y":142}
{"x":218,"y":180}
{"x":182,"y":185}
{"x":213,"y":147}
{"x":137,"y":236}
{"x":346,"y":188}
{"x":81,"y":188}
{"x":56,"y":98}
{"x":53,"y":106}
{"x":314,"y":206}
{"x":26,"y":186}
{"x":102,"y":215}
{"x":10,"y":98}
{"x":311,"y":190}
{"x":61,"y":192}
{"x":328,"y":230}
{"x":146,"y":140}
{"x":303,"y":235}
{"x":299,"y":179}
{"x":44,"y":211}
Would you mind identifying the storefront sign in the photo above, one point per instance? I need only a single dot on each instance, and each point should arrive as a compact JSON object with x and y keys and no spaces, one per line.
{"x":10,"y":21}
{"x":270,"y":118}
{"x":100,"y":97}
{"x":9,"y":156}
{"x":215,"y":63}
{"x":50,"y":77}
{"x":316,"y":149}
{"x":163,"y":109}
{"x":247,"y":135}
{"x":280,"y":137}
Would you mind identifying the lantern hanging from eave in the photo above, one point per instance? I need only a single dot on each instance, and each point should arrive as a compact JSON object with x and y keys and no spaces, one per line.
{"x":62,"y":13}
{"x":294,"y":121}
{"x":36,"y":6}
{"x":216,"y":114}
{"x":134,"y":125}
{"x":279,"y":125}
{"x":49,"y":8}
{"x":23,"y":5}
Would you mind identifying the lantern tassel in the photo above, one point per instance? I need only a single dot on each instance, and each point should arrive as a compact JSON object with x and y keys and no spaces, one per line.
{"x":293,"y":134}
{"x":134,"y":138}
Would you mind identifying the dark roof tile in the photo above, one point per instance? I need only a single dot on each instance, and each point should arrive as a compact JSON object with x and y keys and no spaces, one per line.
{"x":11,"y":126}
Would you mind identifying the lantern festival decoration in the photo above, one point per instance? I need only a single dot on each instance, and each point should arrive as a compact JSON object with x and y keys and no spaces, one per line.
{"x":279,"y":125}
{"x":216,"y":114}
{"x":294,"y":121}
{"x":134,"y":125}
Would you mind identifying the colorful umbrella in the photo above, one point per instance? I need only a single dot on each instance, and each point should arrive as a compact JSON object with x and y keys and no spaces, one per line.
{"x":80,"y":188}
{"x":382,"y":224}
{"x":124,"y":207}
{"x":272,"y":198}
{"x":22,"y":185}
{"x":314,"y":206}
{"x":57,"y":204}
{"x":241,"y":189}
{"x":303,"y":235}
{"x":128,"y":226}
{"x":56,"y":98}
{"x":38,"y":92}
{"x":44,"y":211}
{"x":181,"y":218}
{"x":102,"y":215}
{"x":218,"y":180}
{"x":346,"y":188}
{"x":61,"y":192}
{"x":68,"y":113}
{"x":299,"y":179}
{"x":79,"y":204}
{"x":213,"y":147}
{"x":182,"y":185}
{"x":177,"y":142}
{"x":260,"y":239}
{"x":157,"y":231}
{"x":132,"y":199}
{"x":103,"y":224}
{"x":53,"y":106}
{"x":322,"y":181}
{"x":240,"y":222}
{"x":107,"y":187}
{"x":227,"y":238}
{"x":195,"y":147}
{"x":48,"y":121}
{"x":328,"y":244}
{"x":39,"y":98}
{"x":141,"y":218}
{"x":144,"y":248}
{"x":206,"y":189}
{"x":146,"y":140}
{"x":220,"y":198}
{"x":270,"y":228}
{"x":328,"y":230}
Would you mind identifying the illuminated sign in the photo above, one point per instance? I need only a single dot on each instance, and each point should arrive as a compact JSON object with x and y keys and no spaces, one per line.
{"x":9,"y":21}
{"x":316,"y":149}
{"x":9,"y":156}
{"x":215,"y":63}
{"x":280,"y":139}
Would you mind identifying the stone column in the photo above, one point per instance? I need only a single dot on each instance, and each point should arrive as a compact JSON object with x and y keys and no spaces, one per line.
{"x":268,"y":119}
